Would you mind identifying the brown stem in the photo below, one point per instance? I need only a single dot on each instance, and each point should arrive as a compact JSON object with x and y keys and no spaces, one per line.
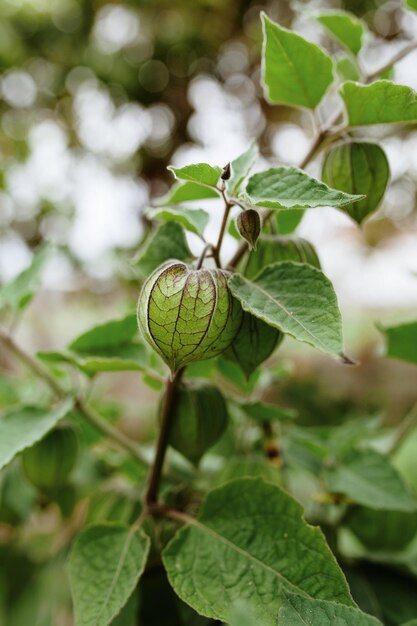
{"x":203,"y":255}
{"x":401,"y":54}
{"x":270,"y":445}
{"x":151,"y":497}
{"x":216,"y":249}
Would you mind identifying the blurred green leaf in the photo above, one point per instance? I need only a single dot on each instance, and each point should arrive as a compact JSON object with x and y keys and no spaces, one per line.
{"x":18,"y":293}
{"x":201,"y":173}
{"x":382,"y":102}
{"x":167,"y":242}
{"x":194,"y":220}
{"x":358,"y":168}
{"x":402,"y":342}
{"x":297,"y":299}
{"x":298,"y":610}
{"x":291,"y":188}
{"x":257,"y":534}
{"x":368,"y":478}
{"x":345,"y":27}
{"x":346,"y":68}
{"x":23,"y":427}
{"x":199,"y":418}
{"x":294,"y":71}
{"x":187,"y":192}
{"x":106,"y":336}
{"x":382,"y":530}
{"x":262,"y":411}
{"x":105,"y":565}
{"x":287,"y":221}
{"x":411,"y":4}
{"x":275,"y":248}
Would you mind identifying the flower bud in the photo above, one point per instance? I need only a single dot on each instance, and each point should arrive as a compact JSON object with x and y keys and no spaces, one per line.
{"x":248,"y":224}
{"x":188,"y":315}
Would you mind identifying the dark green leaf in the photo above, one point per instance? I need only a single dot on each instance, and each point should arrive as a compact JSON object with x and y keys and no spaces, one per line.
{"x":201,"y":173}
{"x":291,"y":188}
{"x":253,"y":344}
{"x":402,"y":342}
{"x":287,"y":221}
{"x":345,"y":27}
{"x":18,"y":293}
{"x":297,"y":299}
{"x":382,"y":530}
{"x":294,"y":71}
{"x":274,"y":248}
{"x":358,"y":168}
{"x":187,"y":192}
{"x":105,"y":565}
{"x":199,"y":419}
{"x":194,"y":220}
{"x":168,"y":242}
{"x":382,"y":102}
{"x":368,"y":478}
{"x":261,"y":411}
{"x":300,"y":611}
{"x":250,"y":542}
{"x":240,"y":168}
{"x":23,"y":427}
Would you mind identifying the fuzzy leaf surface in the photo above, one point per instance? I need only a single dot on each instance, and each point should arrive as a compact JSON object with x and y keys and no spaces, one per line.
{"x":382,"y":102}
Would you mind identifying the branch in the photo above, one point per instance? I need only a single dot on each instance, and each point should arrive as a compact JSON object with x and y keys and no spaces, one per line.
{"x":401,"y":54}
{"x":227,"y":206}
{"x":91,"y":416}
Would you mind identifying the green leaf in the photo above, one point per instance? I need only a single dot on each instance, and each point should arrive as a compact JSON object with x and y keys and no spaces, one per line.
{"x":232,"y":372}
{"x":294,"y":71}
{"x":402,"y":342}
{"x":274,"y":248}
{"x":382,"y":102}
{"x":346,"y":68}
{"x":368,"y":478}
{"x":105,"y":565}
{"x":242,"y":615}
{"x":297,"y":610}
{"x":287,"y":221}
{"x":187,"y":192}
{"x":128,"y":614}
{"x":168,"y":242}
{"x":254,"y":342}
{"x":252,"y":466}
{"x":345,"y":27}
{"x":250,"y":542}
{"x":104,"y":336}
{"x":382,"y":530}
{"x":297,"y":299}
{"x":18,"y":293}
{"x":23,"y":427}
{"x":411,"y":4}
{"x":194,"y":220}
{"x":199,"y":418}
{"x":240,"y":168}
{"x":201,"y":173}
{"x":291,"y":188}
{"x":358,"y":168}
{"x":262,"y":411}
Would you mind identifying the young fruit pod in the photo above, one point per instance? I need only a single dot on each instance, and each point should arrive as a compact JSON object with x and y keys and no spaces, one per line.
{"x":248,"y":224}
{"x":188,"y":315}
{"x":48,"y":464}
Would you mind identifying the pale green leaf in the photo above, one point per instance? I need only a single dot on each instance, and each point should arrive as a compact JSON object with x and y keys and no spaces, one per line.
{"x":21,"y":428}
{"x":254,"y":342}
{"x":345,"y":27}
{"x":240,"y":168}
{"x":199,"y":418}
{"x":187,"y":192}
{"x":106,"y":336}
{"x":402,"y":342}
{"x":346,"y":68}
{"x":294,"y":71}
{"x":382,"y":102}
{"x":262,"y":411}
{"x":105,"y":565}
{"x":18,"y":293}
{"x":291,"y":188}
{"x":168,"y":242}
{"x":194,"y":220}
{"x":296,"y":298}
{"x":251,"y":543}
{"x":275,"y":248}
{"x":242,"y":615}
{"x":297,"y":610}
{"x":251,"y":466}
{"x":358,"y":168}
{"x":201,"y":173}
{"x":368,"y":478}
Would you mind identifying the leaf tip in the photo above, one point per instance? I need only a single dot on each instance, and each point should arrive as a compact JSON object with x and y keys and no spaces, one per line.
{"x":347,"y":360}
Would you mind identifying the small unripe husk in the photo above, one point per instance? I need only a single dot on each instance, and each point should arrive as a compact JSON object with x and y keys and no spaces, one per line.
{"x":249,"y":225}
{"x":188,"y":315}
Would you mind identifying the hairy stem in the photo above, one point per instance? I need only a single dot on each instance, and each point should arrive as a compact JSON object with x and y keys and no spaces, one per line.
{"x":151,"y":497}
{"x":227,"y":206}
{"x":89,"y":414}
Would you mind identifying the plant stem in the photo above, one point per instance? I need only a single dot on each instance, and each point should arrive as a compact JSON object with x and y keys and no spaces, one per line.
{"x":227,"y":206}
{"x":203,"y":255}
{"x":401,"y":54}
{"x":90,"y":415}
{"x":151,"y":497}
{"x":408,"y":424}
